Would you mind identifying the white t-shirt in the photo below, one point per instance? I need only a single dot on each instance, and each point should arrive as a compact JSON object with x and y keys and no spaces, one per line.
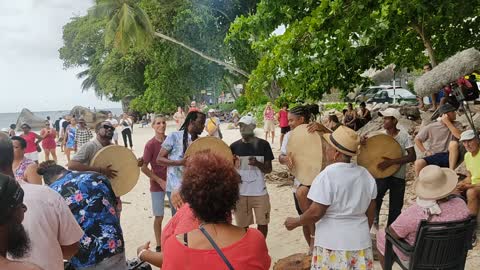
{"x":113,"y":121}
{"x":405,"y":141}
{"x":283,"y":151}
{"x":126,"y":124}
{"x":348,"y":190}
{"x":50,"y":224}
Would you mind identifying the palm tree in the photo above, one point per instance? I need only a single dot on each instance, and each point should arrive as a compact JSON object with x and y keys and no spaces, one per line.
{"x":90,"y":82}
{"x":129,"y":25}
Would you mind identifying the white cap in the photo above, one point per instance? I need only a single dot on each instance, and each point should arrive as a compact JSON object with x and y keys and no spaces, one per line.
{"x":467,"y":135}
{"x":211,"y":110}
{"x":390,"y":112}
{"x":248,"y":120}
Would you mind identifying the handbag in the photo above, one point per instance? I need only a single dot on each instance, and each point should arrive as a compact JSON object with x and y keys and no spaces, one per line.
{"x":215,"y":246}
{"x":39,"y":149}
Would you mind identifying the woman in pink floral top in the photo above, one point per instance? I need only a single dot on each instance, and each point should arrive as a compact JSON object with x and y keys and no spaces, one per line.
{"x":437,"y":208}
{"x":269,"y":121}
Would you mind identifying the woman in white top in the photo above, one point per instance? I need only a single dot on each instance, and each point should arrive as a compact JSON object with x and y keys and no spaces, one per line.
{"x":126,"y":125}
{"x":343,"y":207}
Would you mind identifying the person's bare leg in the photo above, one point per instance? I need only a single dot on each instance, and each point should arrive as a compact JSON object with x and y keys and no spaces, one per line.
{"x":381,"y":259}
{"x":263,"y":229}
{"x":67,"y":154}
{"x":281,"y":139}
{"x":266,"y":136}
{"x":472,"y":201}
{"x":46,"y":152}
{"x":54,"y":154}
{"x":434,"y":101}
{"x":157,"y":229}
{"x":419,"y":165}
{"x":304,"y":204}
{"x":306,"y":234}
{"x":453,"y":155}
{"x":273,"y":137}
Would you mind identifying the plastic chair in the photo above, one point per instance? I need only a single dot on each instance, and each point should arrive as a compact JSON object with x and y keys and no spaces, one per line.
{"x":438,"y":246}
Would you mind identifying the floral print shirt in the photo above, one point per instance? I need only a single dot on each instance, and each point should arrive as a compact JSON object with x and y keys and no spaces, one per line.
{"x":92,"y":201}
{"x":174,"y":146}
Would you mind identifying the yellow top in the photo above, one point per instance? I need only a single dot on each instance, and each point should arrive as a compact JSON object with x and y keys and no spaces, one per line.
{"x":473,"y":166}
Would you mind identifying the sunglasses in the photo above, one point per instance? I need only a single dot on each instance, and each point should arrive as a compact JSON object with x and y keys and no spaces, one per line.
{"x":108,"y":127}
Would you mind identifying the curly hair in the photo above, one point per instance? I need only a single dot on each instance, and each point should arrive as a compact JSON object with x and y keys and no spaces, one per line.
{"x":49,"y":169}
{"x":211,"y":187}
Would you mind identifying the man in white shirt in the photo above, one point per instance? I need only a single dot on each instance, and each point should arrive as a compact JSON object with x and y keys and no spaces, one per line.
{"x":114,"y":123}
{"x":53,"y":230}
{"x":343,"y":206}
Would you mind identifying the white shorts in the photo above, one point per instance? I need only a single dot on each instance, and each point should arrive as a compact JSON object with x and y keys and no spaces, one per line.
{"x":115,"y":136}
{"x":32,"y":156}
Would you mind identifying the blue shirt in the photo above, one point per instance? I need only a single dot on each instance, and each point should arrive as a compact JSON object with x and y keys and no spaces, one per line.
{"x":174,"y":146}
{"x":92,"y":201}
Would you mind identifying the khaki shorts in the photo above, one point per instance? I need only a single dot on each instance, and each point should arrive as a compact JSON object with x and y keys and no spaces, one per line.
{"x":269,"y":126}
{"x":248,"y":205}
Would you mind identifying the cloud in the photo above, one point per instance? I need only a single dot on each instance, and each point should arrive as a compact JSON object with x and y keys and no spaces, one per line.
{"x":31,"y":36}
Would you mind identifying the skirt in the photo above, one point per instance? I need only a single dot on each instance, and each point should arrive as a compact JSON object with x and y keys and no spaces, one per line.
{"x":325,"y":259}
{"x":269,"y":126}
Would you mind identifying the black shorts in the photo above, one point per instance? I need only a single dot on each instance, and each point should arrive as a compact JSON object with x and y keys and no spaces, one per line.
{"x":285,"y":130}
{"x":297,"y":206}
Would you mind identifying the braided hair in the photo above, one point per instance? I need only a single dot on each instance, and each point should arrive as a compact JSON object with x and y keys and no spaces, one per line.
{"x":308,"y":112}
{"x":191,"y":117}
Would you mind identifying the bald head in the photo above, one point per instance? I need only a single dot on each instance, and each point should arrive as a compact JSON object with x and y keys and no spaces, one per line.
{"x":6,"y":154}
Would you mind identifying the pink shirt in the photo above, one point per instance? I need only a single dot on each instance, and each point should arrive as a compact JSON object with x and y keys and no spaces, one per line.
{"x":249,"y":253}
{"x":283,"y":118}
{"x":31,"y":146}
{"x":269,"y":114}
{"x":50,"y":224}
{"x":406,"y":225}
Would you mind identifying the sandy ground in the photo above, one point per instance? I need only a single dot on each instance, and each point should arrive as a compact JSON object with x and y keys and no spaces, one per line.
{"x":137,"y":220}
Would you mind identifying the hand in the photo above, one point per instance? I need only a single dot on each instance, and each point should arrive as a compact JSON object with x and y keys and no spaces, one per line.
{"x":445,"y":119}
{"x":252,"y":161}
{"x":315,"y":126}
{"x":236,"y":162}
{"x":176,"y":199}
{"x":292,"y":223}
{"x":109,"y":172}
{"x":144,"y":246}
{"x":387,"y":162}
{"x":161,"y":182}
{"x":427,"y":153}
{"x":140,"y":162}
{"x":289,"y":161}
{"x":363,"y":140}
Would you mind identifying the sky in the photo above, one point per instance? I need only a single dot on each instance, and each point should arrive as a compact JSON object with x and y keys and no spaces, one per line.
{"x":31,"y":73}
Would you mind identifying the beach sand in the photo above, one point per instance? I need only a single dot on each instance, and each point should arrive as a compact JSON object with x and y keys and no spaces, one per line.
{"x":137,"y":219}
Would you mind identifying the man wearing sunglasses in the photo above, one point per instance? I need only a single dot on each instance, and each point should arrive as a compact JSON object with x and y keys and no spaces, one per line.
{"x":81,"y":160}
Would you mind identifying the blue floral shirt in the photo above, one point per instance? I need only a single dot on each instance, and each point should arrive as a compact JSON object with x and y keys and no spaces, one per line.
{"x":92,"y":201}
{"x":174,"y":146}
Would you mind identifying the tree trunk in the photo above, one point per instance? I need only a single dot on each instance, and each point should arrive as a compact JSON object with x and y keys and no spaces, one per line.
{"x":201,"y":54}
{"x":427,"y":43}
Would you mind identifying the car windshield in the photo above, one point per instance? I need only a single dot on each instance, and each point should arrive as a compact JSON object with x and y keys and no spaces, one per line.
{"x":404,"y":93}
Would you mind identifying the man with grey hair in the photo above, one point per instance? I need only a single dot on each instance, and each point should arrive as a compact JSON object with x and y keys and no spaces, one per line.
{"x":471,"y":184}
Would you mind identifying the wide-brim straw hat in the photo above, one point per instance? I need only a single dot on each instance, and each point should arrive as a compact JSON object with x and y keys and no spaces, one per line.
{"x":124,"y":162}
{"x":435,"y":183}
{"x":212,"y":144}
{"x":345,"y":140}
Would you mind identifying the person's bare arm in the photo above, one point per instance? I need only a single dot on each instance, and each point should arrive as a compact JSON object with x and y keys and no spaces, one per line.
{"x":70,"y":251}
{"x":32,"y":175}
{"x":155,"y":258}
{"x":265,"y":167}
{"x":162,"y":159}
{"x":410,"y":157}
{"x":313,"y":214}
{"x":39,"y":138}
{"x":371,"y":213}
{"x":78,"y":166}
{"x":455,"y":131}
{"x":148,"y":172}
{"x":419,"y":144}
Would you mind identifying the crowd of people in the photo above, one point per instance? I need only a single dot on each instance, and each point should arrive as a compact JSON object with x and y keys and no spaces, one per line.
{"x":76,"y":215}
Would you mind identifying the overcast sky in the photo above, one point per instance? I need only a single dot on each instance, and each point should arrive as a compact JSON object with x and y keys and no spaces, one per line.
{"x":32,"y":75}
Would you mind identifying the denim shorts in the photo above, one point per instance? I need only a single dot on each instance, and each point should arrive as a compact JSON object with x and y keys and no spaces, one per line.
{"x":158,"y":203}
{"x":440,"y":159}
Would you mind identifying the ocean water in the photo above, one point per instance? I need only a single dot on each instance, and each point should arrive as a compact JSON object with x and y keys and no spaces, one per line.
{"x":6,"y":119}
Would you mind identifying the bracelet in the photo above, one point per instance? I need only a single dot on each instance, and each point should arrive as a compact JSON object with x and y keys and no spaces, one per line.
{"x":139,"y":256}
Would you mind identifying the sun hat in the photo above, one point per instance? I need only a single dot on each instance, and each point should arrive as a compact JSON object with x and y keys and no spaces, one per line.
{"x":435,"y":183}
{"x":211,"y":110}
{"x":124,"y":162}
{"x":247,"y":120}
{"x":212,"y":144}
{"x":467,"y":135}
{"x":345,"y":140}
{"x":446,"y":108}
{"x":390,"y":112}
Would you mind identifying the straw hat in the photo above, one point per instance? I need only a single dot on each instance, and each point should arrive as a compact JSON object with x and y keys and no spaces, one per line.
{"x":435,"y":183}
{"x":372,"y":153}
{"x":124,"y":162}
{"x":344,"y":139}
{"x":212,"y":144}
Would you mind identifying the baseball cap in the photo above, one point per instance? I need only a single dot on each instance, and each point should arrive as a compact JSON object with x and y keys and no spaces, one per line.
{"x":446,"y":108}
{"x":247,"y":119}
{"x":390,"y":112}
{"x":467,"y":135}
{"x":211,"y":111}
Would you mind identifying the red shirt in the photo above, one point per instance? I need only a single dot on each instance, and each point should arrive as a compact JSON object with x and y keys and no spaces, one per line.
{"x":249,"y":253}
{"x":31,"y":146}
{"x":150,"y":154}
{"x":283,"y":118}
{"x":194,"y":109}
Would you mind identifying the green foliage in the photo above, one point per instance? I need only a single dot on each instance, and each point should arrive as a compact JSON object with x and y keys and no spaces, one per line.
{"x":339,"y":106}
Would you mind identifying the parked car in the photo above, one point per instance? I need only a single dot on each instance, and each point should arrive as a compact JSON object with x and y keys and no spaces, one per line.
{"x":368,"y":92}
{"x":397,"y":95}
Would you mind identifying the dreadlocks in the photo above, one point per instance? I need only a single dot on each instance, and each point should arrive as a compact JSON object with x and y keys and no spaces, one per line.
{"x":308,"y":112}
{"x":191,"y":117}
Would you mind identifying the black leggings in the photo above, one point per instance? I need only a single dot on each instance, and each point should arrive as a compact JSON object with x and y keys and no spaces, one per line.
{"x":127,"y":133}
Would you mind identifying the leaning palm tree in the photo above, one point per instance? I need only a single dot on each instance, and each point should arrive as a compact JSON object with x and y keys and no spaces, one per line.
{"x":90,"y":82}
{"x":129,"y":25}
